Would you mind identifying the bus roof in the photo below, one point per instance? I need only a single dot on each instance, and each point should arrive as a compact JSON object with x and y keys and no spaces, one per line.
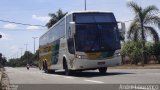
{"x":73,"y":13}
{"x":88,"y":12}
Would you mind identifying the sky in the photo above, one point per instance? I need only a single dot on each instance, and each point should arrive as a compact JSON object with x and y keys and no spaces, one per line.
{"x":35,"y":12}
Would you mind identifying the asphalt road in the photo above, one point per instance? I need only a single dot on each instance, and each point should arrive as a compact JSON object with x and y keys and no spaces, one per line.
{"x":114,"y":76}
{"x":115,"y":79}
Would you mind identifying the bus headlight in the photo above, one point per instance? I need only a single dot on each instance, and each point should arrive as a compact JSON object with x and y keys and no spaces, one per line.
{"x":81,"y":56}
{"x":117,"y":54}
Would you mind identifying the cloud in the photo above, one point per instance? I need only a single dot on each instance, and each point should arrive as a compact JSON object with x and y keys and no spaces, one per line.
{"x":32,"y":28}
{"x":13,"y":48}
{"x":10,"y":26}
{"x":41,"y":18}
{"x":5,"y":36}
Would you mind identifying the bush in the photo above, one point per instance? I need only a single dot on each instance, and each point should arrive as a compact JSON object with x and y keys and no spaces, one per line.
{"x":133,"y":50}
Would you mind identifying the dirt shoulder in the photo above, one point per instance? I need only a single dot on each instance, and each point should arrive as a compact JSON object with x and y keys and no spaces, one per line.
{"x":128,"y":66}
{"x":4,"y":81}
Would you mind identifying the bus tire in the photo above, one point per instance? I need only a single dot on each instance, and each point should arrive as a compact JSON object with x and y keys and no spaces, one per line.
{"x":45,"y":68}
{"x":66,"y":70}
{"x":103,"y":70}
{"x":39,"y":68}
{"x":51,"y":71}
{"x":42,"y":66}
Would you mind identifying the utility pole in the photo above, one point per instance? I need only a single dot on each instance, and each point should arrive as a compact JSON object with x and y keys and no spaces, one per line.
{"x":26,"y":46}
{"x":34,"y":38}
{"x":85,"y":5}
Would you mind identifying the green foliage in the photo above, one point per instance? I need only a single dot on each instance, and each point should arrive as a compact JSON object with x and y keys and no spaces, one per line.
{"x":149,"y":48}
{"x":28,"y":57}
{"x":55,"y":17}
{"x":142,"y":24}
{"x":154,"y":49}
{"x":133,"y":50}
{"x":2,"y":61}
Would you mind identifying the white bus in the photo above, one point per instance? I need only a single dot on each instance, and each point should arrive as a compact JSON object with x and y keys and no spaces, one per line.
{"x":81,"y":41}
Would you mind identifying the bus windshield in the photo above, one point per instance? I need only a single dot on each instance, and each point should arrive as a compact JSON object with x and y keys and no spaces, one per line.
{"x":91,"y":37}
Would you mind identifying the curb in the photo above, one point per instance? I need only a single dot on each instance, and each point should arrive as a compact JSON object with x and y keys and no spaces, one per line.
{"x":1,"y":74}
{"x":136,"y":67}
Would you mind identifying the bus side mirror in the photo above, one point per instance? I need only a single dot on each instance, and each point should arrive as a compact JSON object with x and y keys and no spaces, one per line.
{"x":121,"y":28}
{"x":73,"y":28}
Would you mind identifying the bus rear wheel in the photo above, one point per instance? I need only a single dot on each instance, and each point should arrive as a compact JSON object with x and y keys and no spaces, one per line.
{"x":66,"y":70}
{"x":45,"y":67}
{"x":103,"y":70}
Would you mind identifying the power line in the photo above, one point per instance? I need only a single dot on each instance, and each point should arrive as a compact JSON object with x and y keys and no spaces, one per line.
{"x":21,"y":23}
{"x":22,"y":29}
{"x":45,"y":26}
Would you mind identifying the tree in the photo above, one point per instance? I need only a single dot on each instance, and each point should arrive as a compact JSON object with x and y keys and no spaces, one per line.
{"x":35,"y":58}
{"x":141,"y":25}
{"x":156,"y":51}
{"x":27,"y":57}
{"x":55,"y":17}
{"x":133,"y":50}
{"x":2,"y":60}
{"x":22,"y":61}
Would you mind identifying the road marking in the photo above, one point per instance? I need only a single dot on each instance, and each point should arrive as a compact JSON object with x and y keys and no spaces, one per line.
{"x":69,"y":77}
{"x":55,"y":75}
{"x":94,"y":81}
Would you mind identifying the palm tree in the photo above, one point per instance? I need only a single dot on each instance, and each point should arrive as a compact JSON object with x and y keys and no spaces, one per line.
{"x":55,"y":17}
{"x":142,"y":24}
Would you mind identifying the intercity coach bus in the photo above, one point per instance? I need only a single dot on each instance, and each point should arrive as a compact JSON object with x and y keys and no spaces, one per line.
{"x":82,"y":41}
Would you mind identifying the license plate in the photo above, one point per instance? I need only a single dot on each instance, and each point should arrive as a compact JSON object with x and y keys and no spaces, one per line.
{"x":101,"y":63}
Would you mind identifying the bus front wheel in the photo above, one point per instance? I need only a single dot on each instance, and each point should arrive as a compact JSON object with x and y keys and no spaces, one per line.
{"x":103,"y":70}
{"x":66,"y":70}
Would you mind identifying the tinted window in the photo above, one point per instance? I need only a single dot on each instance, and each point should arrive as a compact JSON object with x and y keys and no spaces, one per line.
{"x":94,"y":17}
{"x":55,"y":33}
{"x":97,"y":37}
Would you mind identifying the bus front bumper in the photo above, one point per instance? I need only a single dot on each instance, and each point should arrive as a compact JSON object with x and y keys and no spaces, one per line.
{"x":85,"y":64}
